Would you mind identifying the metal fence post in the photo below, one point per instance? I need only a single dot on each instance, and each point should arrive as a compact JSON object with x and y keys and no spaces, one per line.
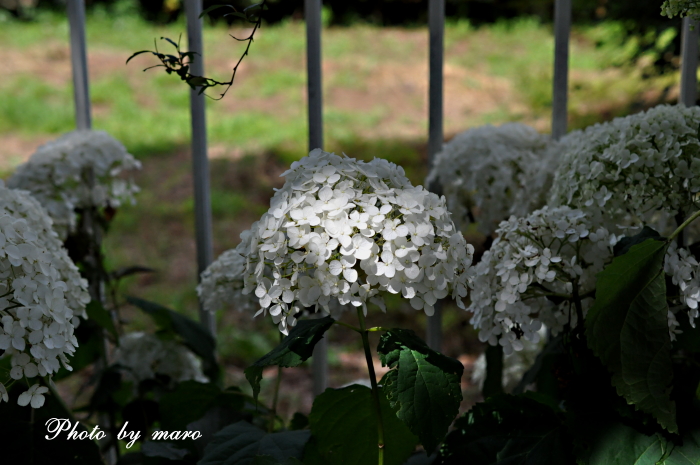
{"x":78,"y":58}
{"x":436,"y":24}
{"x":562,"y":31}
{"x":200,"y":162}
{"x":689,"y":63}
{"x":312,"y":13}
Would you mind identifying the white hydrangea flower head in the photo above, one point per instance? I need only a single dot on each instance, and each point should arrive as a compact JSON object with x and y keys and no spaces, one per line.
{"x":143,"y":356}
{"x":684,"y":270}
{"x":41,"y":292}
{"x":222,"y":284}
{"x":515,"y":364}
{"x":347,"y":231}
{"x":81,"y":169}
{"x":682,"y":8}
{"x":522,"y":282}
{"x":637,"y":169}
{"x":490,"y":172}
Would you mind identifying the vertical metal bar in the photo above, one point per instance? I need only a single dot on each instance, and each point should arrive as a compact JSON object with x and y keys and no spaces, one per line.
{"x":689,"y":63}
{"x":562,"y":31}
{"x":200,"y":162}
{"x":312,"y":13}
{"x":436,"y":25}
{"x":78,"y":58}
{"x":313,"y":68}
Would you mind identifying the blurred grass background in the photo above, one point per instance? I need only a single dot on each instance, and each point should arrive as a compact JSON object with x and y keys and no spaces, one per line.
{"x":375,"y":96}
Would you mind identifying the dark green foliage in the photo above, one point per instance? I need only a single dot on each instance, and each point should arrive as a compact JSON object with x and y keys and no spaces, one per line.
{"x":240,"y":443}
{"x":344,"y":427}
{"x":507,"y":429}
{"x":193,"y":334}
{"x":293,"y":350}
{"x":423,"y":387}
{"x":23,"y":432}
{"x":628,"y":329}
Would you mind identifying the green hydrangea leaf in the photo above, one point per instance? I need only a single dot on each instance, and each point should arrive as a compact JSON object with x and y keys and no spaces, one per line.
{"x":620,"y":444}
{"x":344,"y":428}
{"x":241,"y":443}
{"x":297,"y":347}
{"x":627,"y":328}
{"x":423,"y":387}
{"x":507,"y":429}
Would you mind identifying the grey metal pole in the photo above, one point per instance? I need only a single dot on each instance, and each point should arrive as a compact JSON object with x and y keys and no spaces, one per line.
{"x":312,"y":13}
{"x":78,"y":58}
{"x":200,"y":162}
{"x":562,"y":31}
{"x":689,"y":63}
{"x":436,"y":24}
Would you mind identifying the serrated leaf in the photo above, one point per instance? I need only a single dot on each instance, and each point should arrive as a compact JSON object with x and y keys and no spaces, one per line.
{"x":344,"y":427}
{"x":194,"y":335}
{"x":621,"y":445}
{"x":627,"y":328}
{"x":297,"y":347}
{"x":240,"y":443}
{"x":97,"y":313}
{"x":423,"y":387}
{"x":625,"y":244}
{"x":688,"y":453}
{"x":507,"y":429}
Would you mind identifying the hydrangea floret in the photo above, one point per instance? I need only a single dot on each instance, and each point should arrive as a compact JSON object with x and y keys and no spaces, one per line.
{"x":143,"y":356}
{"x":41,"y":294}
{"x":535,"y":271}
{"x":79,"y":170}
{"x":684,"y":270}
{"x":222,"y":284}
{"x":348,"y":231}
{"x":492,"y":172}
{"x":643,"y":168}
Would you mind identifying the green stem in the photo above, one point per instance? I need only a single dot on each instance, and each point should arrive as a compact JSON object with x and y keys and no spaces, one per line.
{"x":373,"y":381}
{"x":275,"y":398}
{"x":354,"y":328}
{"x":377,"y":328}
{"x":690,"y":219}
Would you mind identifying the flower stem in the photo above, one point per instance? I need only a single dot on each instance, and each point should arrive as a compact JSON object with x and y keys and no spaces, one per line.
{"x":373,"y":381}
{"x":690,"y":219}
{"x":354,"y":328}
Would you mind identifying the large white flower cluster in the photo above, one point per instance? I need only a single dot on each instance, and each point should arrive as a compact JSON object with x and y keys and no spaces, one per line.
{"x":81,"y":169}
{"x":143,"y":356}
{"x":531,"y":272}
{"x":41,"y":293}
{"x":489,"y":173}
{"x":222,"y":284}
{"x":672,"y":8}
{"x":346,"y":230}
{"x":633,"y":167}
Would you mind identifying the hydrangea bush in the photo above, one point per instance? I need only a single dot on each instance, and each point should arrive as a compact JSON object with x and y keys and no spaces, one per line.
{"x":640,"y":168}
{"x":490,"y":173}
{"x":144,"y":356}
{"x":345,"y":230}
{"x":41,"y":294}
{"x":79,"y":170}
{"x":551,"y":255}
